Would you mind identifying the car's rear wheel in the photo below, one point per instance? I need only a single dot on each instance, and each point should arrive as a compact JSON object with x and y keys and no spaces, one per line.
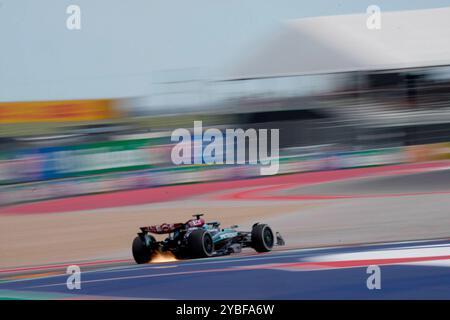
{"x":262,"y":238}
{"x":141,"y":252}
{"x":200,"y":244}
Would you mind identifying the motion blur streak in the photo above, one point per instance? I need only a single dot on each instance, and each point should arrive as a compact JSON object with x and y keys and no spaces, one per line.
{"x":363,"y":118}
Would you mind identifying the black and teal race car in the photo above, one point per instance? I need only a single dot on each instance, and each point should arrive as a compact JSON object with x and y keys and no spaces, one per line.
{"x":199,"y":239}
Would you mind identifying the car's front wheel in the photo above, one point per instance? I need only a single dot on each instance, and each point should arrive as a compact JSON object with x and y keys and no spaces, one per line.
{"x":262,"y":238}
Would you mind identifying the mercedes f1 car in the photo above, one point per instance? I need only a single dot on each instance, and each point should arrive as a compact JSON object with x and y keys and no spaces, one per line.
{"x":198,"y":239}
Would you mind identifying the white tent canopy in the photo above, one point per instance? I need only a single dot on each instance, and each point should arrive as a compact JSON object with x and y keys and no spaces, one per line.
{"x":407,"y":39}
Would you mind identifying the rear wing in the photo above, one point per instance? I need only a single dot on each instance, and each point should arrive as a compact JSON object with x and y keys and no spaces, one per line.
{"x":163,"y":228}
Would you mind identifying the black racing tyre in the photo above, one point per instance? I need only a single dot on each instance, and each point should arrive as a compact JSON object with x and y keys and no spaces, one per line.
{"x":200,"y":244}
{"x":262,"y":238}
{"x":141,"y":253}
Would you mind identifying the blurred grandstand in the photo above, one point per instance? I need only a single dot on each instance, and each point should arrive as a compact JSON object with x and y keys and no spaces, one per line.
{"x":362,"y":98}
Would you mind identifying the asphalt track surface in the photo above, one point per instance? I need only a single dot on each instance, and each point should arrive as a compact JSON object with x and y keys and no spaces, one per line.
{"x":408,"y":270}
{"x":421,"y":182}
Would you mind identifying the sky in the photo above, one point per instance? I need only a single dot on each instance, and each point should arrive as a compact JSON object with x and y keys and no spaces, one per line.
{"x":128,"y":47}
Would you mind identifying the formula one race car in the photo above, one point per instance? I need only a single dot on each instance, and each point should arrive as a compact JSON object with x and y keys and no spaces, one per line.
{"x":198,"y":239}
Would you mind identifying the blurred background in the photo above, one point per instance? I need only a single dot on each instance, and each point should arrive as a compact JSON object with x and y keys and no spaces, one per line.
{"x":92,"y":110}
